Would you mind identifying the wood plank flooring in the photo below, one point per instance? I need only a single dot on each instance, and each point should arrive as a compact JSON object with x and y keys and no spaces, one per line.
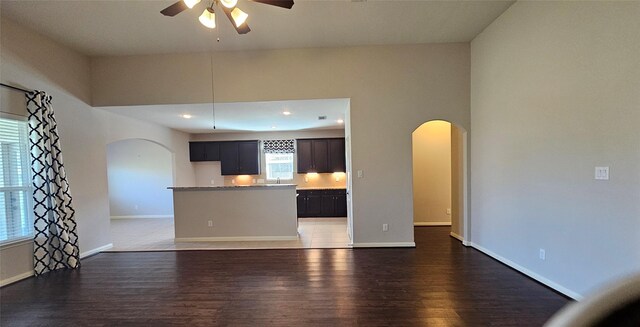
{"x":439,"y":283}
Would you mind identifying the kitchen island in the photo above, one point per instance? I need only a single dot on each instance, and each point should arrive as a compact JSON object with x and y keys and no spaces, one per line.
{"x":260,"y":212}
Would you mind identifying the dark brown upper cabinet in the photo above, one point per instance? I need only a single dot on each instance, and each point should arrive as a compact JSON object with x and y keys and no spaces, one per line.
{"x":204,"y":151}
{"x":320,"y":155}
{"x":239,"y":158}
{"x":337,"y":161}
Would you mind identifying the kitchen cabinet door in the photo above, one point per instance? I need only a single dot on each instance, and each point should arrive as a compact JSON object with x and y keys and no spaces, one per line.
{"x":320,"y":150}
{"x":229,"y":158}
{"x":328,"y":208}
{"x":196,"y":151}
{"x":337,"y":162}
{"x":341,"y":205}
{"x":305,"y":156}
{"x":248,"y":158}
{"x":313,"y":205}
{"x":239,"y":158}
{"x":212,"y":151}
{"x":301,"y":201}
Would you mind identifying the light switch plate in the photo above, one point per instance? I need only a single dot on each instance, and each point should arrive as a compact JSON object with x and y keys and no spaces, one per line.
{"x":360,"y":174}
{"x":602,"y":173}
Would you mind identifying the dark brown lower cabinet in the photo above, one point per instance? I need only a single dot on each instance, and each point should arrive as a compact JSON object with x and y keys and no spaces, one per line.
{"x":322,"y":203}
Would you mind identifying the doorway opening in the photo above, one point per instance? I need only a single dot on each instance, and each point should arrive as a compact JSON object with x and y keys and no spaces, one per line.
{"x":439,"y":151}
{"x":141,"y":207}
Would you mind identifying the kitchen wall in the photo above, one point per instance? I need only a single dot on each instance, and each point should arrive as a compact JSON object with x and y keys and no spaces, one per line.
{"x":35,"y":62}
{"x":392,"y":89}
{"x":554,"y":89}
{"x":139,"y":172}
{"x":432,"y":174}
{"x":206,"y":172}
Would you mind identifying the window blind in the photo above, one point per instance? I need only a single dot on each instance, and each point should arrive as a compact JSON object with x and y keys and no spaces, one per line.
{"x":15,"y":181}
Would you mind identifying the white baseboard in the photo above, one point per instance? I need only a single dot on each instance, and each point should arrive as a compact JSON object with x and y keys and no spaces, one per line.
{"x":574,"y":295}
{"x":142,"y":217}
{"x":432,"y":223}
{"x":16,"y":278}
{"x":385,"y":245}
{"x":96,"y":250}
{"x":235,"y":238}
{"x":456,"y":236}
{"x":28,"y":274}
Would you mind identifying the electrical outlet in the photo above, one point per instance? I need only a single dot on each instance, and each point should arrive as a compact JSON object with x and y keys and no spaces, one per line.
{"x":543,"y":254}
{"x":602,"y":173}
{"x":213,"y":181}
{"x":210,"y":223}
{"x":448,"y":211}
{"x":385,"y":227}
{"x":360,"y":174}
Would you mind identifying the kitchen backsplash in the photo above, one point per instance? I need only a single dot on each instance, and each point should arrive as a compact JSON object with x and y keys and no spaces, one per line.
{"x":208,"y":174}
{"x":302,"y":180}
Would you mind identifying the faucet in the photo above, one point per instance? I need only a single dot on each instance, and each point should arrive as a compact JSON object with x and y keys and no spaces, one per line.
{"x":278,"y":180}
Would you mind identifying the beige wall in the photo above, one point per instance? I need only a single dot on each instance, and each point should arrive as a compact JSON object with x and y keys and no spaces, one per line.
{"x":457,"y":179}
{"x":393,"y":90}
{"x":208,"y":171}
{"x":555,"y":93}
{"x":432,"y":173}
{"x":35,"y":62}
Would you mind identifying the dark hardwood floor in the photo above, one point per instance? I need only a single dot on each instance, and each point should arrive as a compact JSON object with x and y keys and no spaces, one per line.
{"x":439,"y":283}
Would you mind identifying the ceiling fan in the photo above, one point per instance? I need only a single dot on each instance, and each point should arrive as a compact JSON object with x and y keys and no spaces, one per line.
{"x":237,"y":17}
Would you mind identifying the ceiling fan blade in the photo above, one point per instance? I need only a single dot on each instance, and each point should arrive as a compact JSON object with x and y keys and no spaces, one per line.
{"x":174,"y":9}
{"x":278,"y":3}
{"x":243,"y":29}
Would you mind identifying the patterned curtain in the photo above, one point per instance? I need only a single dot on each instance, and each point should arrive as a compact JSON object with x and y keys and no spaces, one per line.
{"x":278,"y":146}
{"x":56,"y":241}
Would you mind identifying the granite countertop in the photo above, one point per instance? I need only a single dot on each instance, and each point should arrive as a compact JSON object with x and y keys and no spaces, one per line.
{"x":322,"y":188}
{"x":187,"y":188}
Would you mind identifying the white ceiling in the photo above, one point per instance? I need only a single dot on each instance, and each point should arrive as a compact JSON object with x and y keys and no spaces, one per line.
{"x":242,"y":116}
{"x":116,"y":27}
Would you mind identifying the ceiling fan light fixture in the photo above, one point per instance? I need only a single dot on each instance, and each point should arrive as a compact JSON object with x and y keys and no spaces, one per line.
{"x":229,"y":3}
{"x":239,"y":16}
{"x":208,"y":18}
{"x":191,"y":3}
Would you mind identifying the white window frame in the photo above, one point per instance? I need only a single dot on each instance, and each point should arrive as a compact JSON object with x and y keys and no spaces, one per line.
{"x":27,"y":187}
{"x":266,"y":167}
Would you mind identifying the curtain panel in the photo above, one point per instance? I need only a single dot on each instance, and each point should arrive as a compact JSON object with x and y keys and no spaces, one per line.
{"x":55,"y":237}
{"x":278,"y":146}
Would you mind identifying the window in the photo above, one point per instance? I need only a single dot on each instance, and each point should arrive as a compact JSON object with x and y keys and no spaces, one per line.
{"x":15,"y":181}
{"x":279,"y":165}
{"x":278,"y":158}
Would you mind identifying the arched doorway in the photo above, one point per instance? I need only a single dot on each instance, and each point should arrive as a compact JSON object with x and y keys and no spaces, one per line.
{"x":439,"y":160}
{"x":141,"y":207}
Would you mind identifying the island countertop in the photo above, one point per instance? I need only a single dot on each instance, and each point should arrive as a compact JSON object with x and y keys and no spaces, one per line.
{"x":204,"y":188}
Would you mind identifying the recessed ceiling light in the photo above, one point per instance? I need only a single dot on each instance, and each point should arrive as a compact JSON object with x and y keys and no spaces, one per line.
{"x":340,"y":121}
{"x":186,"y":116}
{"x":273,"y":127}
{"x":286,"y":113}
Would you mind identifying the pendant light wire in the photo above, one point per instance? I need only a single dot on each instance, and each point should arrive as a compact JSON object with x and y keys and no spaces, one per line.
{"x":213,"y":95}
{"x":213,"y":89}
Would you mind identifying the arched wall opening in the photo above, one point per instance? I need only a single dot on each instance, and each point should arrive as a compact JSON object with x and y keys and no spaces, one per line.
{"x":139,"y":172}
{"x":439,"y":161}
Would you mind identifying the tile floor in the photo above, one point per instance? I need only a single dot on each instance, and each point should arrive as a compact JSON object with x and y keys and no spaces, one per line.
{"x":157,"y":235}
